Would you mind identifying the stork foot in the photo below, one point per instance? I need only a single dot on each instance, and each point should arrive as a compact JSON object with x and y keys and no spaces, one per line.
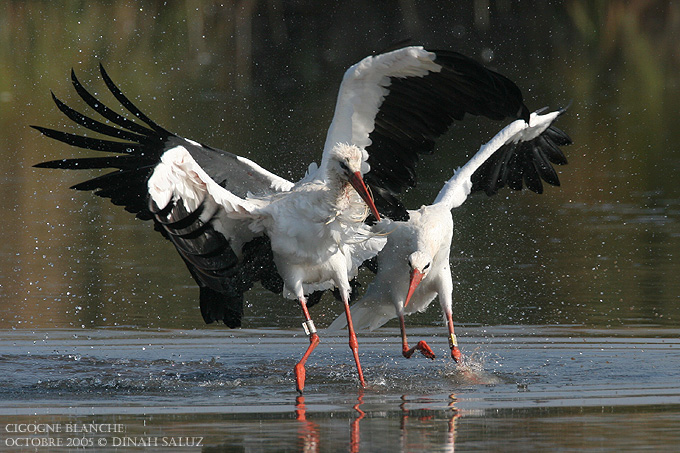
{"x":456,"y":355}
{"x":300,"y":376}
{"x":300,"y":373}
{"x":422,"y":346}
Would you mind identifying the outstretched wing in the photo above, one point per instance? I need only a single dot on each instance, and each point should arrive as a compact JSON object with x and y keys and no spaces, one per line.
{"x":197,"y":210}
{"x":521,"y":153}
{"x":140,"y":148}
{"x":395,"y":105}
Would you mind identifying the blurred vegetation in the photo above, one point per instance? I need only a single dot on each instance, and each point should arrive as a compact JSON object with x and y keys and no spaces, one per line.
{"x":260,"y":78}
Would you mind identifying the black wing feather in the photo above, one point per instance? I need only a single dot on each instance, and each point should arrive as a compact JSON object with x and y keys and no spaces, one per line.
{"x":137,"y":150}
{"x":103,"y":110}
{"x":96,"y":144}
{"x":95,"y":125}
{"x":418,"y":110}
{"x":132,"y":108}
{"x":525,"y":163}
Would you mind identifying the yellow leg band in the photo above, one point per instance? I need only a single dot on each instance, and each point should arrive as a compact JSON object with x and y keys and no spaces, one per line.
{"x":453,"y":341}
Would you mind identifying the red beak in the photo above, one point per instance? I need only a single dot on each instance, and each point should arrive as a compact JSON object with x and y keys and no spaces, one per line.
{"x":416,"y":277}
{"x":357,"y":182}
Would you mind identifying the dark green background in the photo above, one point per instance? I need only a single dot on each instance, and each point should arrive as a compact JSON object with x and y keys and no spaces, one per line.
{"x":259,"y":78}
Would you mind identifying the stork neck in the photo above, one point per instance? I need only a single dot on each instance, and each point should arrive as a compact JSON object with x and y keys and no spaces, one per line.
{"x":339,"y":193}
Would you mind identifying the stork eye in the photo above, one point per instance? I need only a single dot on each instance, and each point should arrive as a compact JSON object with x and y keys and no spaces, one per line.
{"x":344,"y":166}
{"x":426,"y":266}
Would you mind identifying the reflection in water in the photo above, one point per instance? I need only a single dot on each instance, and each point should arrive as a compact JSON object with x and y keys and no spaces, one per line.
{"x":355,"y":438}
{"x":429,"y":417}
{"x":451,"y":440}
{"x":418,"y":422}
{"x":308,"y":432}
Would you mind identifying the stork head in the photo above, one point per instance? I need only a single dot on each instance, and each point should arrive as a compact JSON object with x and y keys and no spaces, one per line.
{"x":347,"y":164}
{"x":420,"y":264}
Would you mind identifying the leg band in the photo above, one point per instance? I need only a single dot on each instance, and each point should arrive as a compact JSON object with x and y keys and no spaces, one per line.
{"x":309,"y":327}
{"x":453,"y":341}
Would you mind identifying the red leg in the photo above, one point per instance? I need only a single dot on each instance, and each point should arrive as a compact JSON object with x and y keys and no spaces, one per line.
{"x":313,"y":342}
{"x":422,"y":346}
{"x":353,"y":344}
{"x":453,"y":341}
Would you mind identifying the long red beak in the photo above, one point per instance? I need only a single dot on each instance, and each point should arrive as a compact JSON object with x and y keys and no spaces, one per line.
{"x":416,"y":277}
{"x":357,"y":182}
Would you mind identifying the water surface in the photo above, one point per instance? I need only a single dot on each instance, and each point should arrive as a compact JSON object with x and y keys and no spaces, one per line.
{"x":236,"y":389}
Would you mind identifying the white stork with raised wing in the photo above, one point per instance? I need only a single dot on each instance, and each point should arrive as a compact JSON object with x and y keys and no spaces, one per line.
{"x":413,"y":267}
{"x":235,"y":223}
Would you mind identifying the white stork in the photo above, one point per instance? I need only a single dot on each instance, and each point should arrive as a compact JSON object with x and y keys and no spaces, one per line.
{"x":235,"y":223}
{"x":413,"y":267}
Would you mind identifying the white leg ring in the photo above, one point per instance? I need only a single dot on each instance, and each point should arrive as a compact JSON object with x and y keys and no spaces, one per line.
{"x":309,"y":327}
